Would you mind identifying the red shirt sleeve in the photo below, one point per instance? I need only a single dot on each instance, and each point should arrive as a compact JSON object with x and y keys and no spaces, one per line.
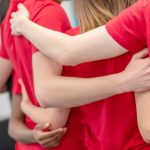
{"x":129,"y":28}
{"x":16,"y":88}
{"x":53,"y":17}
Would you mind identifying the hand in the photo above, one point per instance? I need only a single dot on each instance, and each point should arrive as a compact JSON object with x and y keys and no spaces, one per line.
{"x":18,"y":18}
{"x":48,"y":139}
{"x":137,"y":73}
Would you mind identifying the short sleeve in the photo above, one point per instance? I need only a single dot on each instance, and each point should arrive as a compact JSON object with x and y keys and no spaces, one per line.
{"x":16,"y":88}
{"x":129,"y":28}
{"x":52,"y":16}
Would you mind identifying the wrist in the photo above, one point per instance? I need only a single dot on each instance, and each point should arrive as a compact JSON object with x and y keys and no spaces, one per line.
{"x":122,"y":83}
{"x":33,"y":136}
{"x":23,"y":25}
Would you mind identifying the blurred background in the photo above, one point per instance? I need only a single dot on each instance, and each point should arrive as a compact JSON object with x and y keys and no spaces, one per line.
{"x":5,"y":99}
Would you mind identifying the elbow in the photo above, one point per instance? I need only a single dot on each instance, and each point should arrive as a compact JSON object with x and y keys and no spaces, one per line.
{"x":145,"y":132}
{"x":67,"y":58}
{"x":67,"y":55}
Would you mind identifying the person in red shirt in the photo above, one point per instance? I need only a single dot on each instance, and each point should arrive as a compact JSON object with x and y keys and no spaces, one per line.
{"x":18,"y":129}
{"x":97,"y":127}
{"x":22,"y":64}
{"x":26,"y":134}
{"x":17,"y":125}
{"x":128,"y":31}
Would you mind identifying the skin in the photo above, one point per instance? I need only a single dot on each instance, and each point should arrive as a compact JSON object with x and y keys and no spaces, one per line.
{"x":20,"y":132}
{"x":5,"y":72}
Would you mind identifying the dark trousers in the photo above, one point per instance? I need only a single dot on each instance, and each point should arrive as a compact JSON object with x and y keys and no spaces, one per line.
{"x":6,"y":143}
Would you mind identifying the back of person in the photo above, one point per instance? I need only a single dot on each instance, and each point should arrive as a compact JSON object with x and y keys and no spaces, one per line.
{"x":20,"y":51}
{"x":110,"y":124}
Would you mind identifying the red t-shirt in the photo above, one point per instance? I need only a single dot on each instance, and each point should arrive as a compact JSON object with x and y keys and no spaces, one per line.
{"x":131,"y":28}
{"x":110,"y":124}
{"x":47,"y":13}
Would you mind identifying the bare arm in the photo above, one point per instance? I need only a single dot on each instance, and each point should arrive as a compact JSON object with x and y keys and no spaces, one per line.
{"x":17,"y":128}
{"x":143,"y":114}
{"x":20,"y":132}
{"x":66,"y":49}
{"x":72,"y":50}
{"x":57,"y":91}
{"x":5,"y":71}
{"x":57,"y":117}
{"x":96,"y":44}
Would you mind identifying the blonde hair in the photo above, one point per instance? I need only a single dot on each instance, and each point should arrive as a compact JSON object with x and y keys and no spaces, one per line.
{"x":94,"y":13}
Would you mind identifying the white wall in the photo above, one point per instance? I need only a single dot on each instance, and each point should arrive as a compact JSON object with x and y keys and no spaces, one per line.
{"x":70,"y":10}
{"x":4,"y":106}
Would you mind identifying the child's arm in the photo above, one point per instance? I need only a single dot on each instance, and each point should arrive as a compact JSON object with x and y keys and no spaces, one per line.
{"x":57,"y":117}
{"x":143,"y":114}
{"x":53,"y":90}
{"x":17,"y":128}
{"x":20,"y":132}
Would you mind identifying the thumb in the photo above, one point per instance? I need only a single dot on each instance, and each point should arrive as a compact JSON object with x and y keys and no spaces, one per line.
{"x":141,"y":54}
{"x":43,"y":127}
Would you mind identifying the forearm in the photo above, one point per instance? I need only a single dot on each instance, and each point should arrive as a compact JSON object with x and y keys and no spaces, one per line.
{"x":17,"y":128}
{"x":71,"y":92}
{"x":69,"y":50}
{"x":6,"y":69}
{"x":58,"y":43}
{"x":55,"y":116}
{"x":20,"y":132}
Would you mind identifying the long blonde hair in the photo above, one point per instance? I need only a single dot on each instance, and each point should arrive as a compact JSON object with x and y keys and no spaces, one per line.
{"x":94,"y":13}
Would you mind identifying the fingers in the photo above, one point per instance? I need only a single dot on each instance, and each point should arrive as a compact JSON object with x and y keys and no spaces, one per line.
{"x":41,"y":127}
{"x":53,"y":141}
{"x":13,"y":15}
{"x":51,"y":134}
{"x":20,"y":6}
{"x":141,"y":54}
